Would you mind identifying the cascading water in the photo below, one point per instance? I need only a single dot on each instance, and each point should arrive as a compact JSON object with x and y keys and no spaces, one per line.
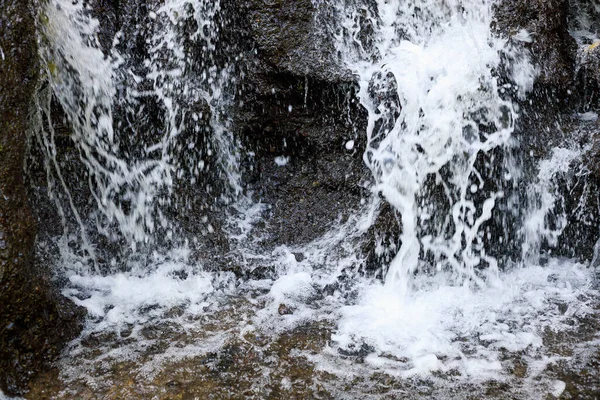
{"x":429,"y":76}
{"x":144,"y":122}
{"x":132,"y":173}
{"x":441,"y":91}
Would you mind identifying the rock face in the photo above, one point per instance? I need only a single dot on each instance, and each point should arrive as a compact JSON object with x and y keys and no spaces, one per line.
{"x":35,"y":322}
{"x":552,"y":47}
{"x":566,"y":86}
{"x":300,"y":121}
{"x":296,"y":115}
{"x":301,"y":131}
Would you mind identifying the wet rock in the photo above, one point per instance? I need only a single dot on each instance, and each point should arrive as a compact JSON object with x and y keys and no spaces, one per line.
{"x":542,"y":26}
{"x":577,"y":122}
{"x":297,"y":112}
{"x":588,"y":78}
{"x":359,"y":353}
{"x":294,"y":109}
{"x":284,"y":310}
{"x":35,"y":322}
{"x":289,"y":38}
{"x":385,"y":243}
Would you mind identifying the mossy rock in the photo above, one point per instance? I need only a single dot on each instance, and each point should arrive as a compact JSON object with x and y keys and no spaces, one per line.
{"x":35,"y":322}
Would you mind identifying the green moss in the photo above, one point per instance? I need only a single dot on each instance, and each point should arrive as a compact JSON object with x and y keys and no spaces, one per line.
{"x":44,"y":20}
{"x":52,"y":68}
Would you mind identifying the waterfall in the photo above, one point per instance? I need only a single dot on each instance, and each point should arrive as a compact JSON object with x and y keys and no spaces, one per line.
{"x":443,"y":94}
{"x":149,"y":117}
{"x":430,"y":79}
{"x":138,"y":129}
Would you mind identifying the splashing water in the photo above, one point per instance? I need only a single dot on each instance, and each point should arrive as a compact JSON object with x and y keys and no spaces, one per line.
{"x":143,"y":120}
{"x":429,"y":79}
{"x":441,"y":91}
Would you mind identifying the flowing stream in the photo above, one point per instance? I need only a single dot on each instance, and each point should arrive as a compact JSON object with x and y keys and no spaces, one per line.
{"x":466,"y":283}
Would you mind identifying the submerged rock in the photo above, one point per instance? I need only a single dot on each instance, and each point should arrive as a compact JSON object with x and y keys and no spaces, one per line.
{"x":35,"y":321}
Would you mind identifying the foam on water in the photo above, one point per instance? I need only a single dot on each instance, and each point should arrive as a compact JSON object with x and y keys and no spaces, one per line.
{"x":5,"y":397}
{"x":444,"y":328}
{"x":135,"y":298}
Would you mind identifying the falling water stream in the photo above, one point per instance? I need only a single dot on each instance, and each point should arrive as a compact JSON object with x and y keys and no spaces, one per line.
{"x":441,"y":90}
{"x":442,"y":108}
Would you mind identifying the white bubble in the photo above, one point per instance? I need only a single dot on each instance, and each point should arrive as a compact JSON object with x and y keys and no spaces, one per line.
{"x":282,"y":161}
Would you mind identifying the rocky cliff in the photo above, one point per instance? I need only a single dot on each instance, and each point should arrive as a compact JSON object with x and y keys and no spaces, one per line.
{"x":36,"y":321}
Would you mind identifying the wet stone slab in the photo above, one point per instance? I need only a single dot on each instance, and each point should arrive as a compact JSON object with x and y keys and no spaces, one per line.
{"x":225,"y":357}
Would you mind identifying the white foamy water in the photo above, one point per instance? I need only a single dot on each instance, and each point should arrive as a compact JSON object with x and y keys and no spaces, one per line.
{"x":5,"y":397}
{"x":142,"y":295}
{"x":435,"y":105}
{"x":443,"y":328}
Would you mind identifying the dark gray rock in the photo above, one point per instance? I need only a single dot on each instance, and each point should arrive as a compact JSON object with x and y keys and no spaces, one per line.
{"x":292,"y":37}
{"x":299,"y":105}
{"x":553,"y":49}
